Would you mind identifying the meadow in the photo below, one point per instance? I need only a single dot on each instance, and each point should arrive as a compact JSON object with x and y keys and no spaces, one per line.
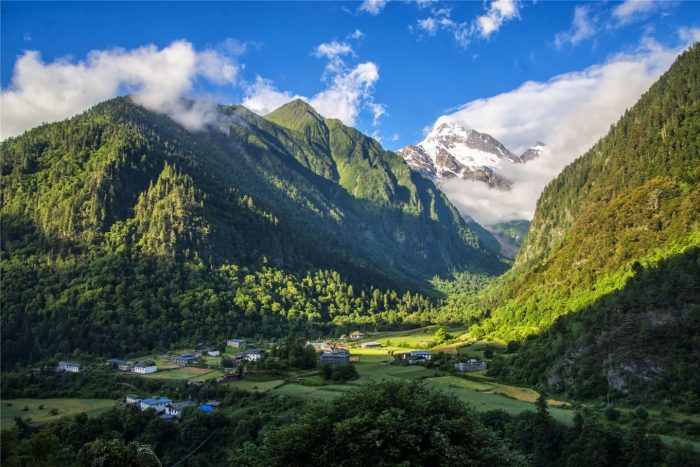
{"x":38,"y":410}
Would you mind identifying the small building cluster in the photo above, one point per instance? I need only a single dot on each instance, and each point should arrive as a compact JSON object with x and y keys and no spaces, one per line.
{"x":470,"y":365}
{"x":142,"y":368}
{"x":416,"y":356}
{"x":166,"y":408}
{"x":250,"y":355}
{"x":69,"y":367}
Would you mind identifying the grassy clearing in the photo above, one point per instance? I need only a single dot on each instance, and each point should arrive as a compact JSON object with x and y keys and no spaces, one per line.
{"x":65,"y":407}
{"x":257,"y":386}
{"x":186,"y":373}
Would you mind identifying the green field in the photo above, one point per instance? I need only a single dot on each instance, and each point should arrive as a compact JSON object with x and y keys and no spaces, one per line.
{"x":199,"y":374}
{"x":65,"y":407}
{"x":258,"y":386}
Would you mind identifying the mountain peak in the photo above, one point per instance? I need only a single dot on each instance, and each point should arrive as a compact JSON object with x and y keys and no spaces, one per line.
{"x":296,"y":115}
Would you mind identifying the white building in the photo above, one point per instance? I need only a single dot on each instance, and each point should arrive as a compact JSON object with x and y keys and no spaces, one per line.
{"x":369,"y":345}
{"x":214,"y":353}
{"x":253,"y":355}
{"x":156,"y":404}
{"x":70,"y":367}
{"x":176,"y":408}
{"x":145,"y":368}
{"x":133,"y":399}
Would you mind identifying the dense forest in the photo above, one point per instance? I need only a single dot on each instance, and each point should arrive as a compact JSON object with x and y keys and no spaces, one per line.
{"x":608,"y":274}
{"x":122,"y":232}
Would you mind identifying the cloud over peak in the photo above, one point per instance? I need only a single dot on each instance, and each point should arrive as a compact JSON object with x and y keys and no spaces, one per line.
{"x":559,"y":112}
{"x":156,"y":78}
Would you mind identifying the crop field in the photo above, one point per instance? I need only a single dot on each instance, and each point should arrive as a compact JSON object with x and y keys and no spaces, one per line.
{"x":12,"y":408}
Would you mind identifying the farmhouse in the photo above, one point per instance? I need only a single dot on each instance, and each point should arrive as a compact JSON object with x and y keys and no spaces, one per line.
{"x":252,"y":355}
{"x":355,"y":335}
{"x":213,"y":353}
{"x":335,"y":357}
{"x":186,"y":359}
{"x":145,"y":368}
{"x":69,"y":367}
{"x":471,"y":365}
{"x":121,"y":365}
{"x":176,"y":408}
{"x":320,"y":346}
{"x":133,"y":399}
{"x":157,"y":404}
{"x":370,"y":345}
{"x":236,"y":343}
{"x":421,"y":355}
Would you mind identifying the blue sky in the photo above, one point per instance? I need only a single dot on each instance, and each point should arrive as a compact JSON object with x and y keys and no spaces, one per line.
{"x":422,"y":72}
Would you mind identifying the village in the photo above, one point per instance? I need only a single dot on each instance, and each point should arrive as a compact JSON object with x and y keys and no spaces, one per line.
{"x":244,"y":364}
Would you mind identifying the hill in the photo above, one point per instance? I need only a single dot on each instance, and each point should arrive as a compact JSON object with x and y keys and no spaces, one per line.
{"x":604,"y":291}
{"x":122,"y":230}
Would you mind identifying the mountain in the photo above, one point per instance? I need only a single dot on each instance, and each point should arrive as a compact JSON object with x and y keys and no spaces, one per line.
{"x":122,"y":230}
{"x":510,"y":235}
{"x":452,"y":151}
{"x":604,"y":294}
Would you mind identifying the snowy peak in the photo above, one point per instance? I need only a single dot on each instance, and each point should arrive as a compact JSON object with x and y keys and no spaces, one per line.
{"x":453,"y":136}
{"x":533,"y":152}
{"x":452,"y":151}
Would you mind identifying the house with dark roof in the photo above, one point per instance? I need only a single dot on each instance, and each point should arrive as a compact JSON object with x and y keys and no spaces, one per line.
{"x":176,"y":408}
{"x":235,"y":343}
{"x":471,"y":365}
{"x":121,"y":365}
{"x":186,"y":359}
{"x":335,"y":357}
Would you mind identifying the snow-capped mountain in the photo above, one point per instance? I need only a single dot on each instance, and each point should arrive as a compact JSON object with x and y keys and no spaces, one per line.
{"x":452,"y":151}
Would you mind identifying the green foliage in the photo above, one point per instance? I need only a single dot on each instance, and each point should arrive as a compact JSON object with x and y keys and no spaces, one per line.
{"x":122,"y":231}
{"x":607,"y":274}
{"x":385,"y":423}
{"x":339,"y":373}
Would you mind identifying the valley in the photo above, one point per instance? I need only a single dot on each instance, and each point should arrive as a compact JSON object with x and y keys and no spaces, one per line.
{"x":195,"y":282}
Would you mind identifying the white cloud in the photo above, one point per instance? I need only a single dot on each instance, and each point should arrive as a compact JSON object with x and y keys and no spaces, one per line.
{"x":583,"y":26}
{"x":348,"y":92}
{"x":356,"y":35}
{"x":155,"y":78}
{"x":373,"y":7}
{"x":378,"y":111}
{"x":395,"y":137}
{"x":349,"y":89}
{"x":262,"y":97}
{"x":499,"y":12}
{"x":569,"y":112}
{"x":630,"y":11}
{"x":334,"y":52}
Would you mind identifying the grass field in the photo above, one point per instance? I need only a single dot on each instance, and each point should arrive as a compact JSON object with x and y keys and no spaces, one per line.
{"x":189,"y":372}
{"x":258,"y":386}
{"x":65,"y":407}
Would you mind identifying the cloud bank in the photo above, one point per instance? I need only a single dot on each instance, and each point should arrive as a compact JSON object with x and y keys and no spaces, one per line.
{"x":569,"y":112}
{"x":156,"y":78}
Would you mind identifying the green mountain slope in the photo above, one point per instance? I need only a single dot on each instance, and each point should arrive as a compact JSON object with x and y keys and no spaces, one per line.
{"x":122,"y":230}
{"x":623,"y":212}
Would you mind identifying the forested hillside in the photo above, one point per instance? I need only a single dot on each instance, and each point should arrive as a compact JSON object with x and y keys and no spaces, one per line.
{"x":122,"y":230}
{"x":605,"y":287}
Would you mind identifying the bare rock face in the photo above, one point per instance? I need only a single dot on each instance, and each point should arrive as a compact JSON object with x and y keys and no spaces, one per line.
{"x":451,"y":151}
